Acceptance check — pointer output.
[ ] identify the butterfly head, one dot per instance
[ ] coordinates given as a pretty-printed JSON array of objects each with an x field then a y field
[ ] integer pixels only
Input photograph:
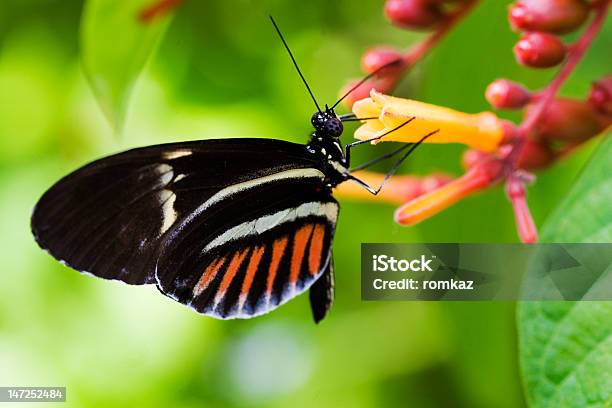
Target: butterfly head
[{"x": 327, "y": 123}]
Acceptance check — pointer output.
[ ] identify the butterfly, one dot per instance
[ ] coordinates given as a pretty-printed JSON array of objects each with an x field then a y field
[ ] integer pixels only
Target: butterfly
[{"x": 232, "y": 228}]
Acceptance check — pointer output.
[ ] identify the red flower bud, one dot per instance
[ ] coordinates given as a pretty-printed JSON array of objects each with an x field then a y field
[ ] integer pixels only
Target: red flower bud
[
  {"x": 539, "y": 50},
  {"x": 504, "y": 94},
  {"x": 600, "y": 97},
  {"x": 376, "y": 58},
  {"x": 535, "y": 155},
  {"x": 556, "y": 16},
  {"x": 415, "y": 14},
  {"x": 568, "y": 120}
]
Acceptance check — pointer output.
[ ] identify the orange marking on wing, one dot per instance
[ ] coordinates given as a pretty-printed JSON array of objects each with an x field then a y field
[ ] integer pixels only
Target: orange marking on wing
[
  {"x": 299, "y": 245},
  {"x": 209, "y": 274},
  {"x": 232, "y": 268},
  {"x": 250, "y": 273},
  {"x": 316, "y": 249},
  {"x": 278, "y": 250}
]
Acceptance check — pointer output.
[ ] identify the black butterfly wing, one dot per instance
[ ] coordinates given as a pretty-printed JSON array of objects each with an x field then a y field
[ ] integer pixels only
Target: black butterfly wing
[
  {"x": 109, "y": 217},
  {"x": 321, "y": 293},
  {"x": 251, "y": 249}
]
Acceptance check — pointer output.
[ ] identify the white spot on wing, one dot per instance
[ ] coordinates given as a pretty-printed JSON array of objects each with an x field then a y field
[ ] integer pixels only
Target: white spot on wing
[
  {"x": 331, "y": 211},
  {"x": 165, "y": 172},
  {"x": 307, "y": 209},
  {"x": 166, "y": 199},
  {"x": 265, "y": 223},
  {"x": 176, "y": 154}
]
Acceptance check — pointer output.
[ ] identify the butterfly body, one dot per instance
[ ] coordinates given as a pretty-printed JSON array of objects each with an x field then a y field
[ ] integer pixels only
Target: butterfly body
[
  {"x": 230, "y": 227},
  {"x": 325, "y": 145}
]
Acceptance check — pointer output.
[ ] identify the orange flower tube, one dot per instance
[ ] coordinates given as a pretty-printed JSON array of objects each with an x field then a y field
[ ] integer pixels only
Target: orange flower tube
[
  {"x": 483, "y": 131},
  {"x": 427, "y": 205}
]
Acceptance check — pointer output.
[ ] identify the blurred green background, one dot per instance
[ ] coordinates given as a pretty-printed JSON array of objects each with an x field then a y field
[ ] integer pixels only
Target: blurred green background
[{"x": 220, "y": 71}]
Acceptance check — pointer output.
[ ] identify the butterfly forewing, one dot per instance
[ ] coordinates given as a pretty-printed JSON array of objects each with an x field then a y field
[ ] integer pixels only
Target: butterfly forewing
[
  {"x": 245, "y": 256},
  {"x": 109, "y": 217}
]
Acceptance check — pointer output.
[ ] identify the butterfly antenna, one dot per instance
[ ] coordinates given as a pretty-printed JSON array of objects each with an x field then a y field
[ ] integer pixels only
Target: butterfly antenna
[
  {"x": 295, "y": 63},
  {"x": 367, "y": 77}
]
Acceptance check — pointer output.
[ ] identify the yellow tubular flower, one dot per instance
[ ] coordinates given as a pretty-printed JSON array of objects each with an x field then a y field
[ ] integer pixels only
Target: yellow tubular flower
[{"x": 482, "y": 131}]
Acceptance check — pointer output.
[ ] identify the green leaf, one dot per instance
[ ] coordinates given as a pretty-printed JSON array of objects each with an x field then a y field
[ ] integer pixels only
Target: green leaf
[
  {"x": 566, "y": 347},
  {"x": 115, "y": 46}
]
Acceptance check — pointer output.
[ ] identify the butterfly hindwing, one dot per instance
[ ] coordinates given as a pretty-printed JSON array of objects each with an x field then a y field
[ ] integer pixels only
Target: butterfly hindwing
[
  {"x": 109, "y": 217},
  {"x": 247, "y": 254},
  {"x": 321, "y": 293}
]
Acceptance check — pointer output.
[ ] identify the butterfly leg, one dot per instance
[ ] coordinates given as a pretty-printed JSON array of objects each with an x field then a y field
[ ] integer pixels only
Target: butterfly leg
[
  {"x": 349, "y": 146},
  {"x": 413, "y": 146},
  {"x": 381, "y": 158}
]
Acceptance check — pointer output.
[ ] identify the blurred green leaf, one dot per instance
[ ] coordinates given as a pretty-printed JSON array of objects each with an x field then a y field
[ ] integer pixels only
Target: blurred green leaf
[
  {"x": 566, "y": 347},
  {"x": 115, "y": 46}
]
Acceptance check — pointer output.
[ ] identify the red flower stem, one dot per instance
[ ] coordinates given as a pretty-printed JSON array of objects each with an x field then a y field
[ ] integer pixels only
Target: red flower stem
[
  {"x": 525, "y": 226},
  {"x": 421, "y": 49},
  {"x": 575, "y": 54}
]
